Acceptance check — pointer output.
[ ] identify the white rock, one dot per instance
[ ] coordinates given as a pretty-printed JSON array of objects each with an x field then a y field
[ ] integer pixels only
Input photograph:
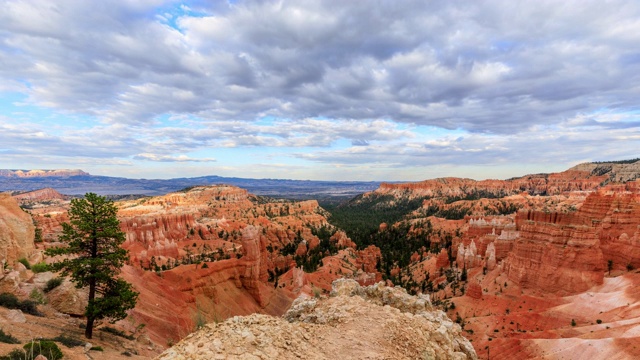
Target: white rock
[{"x": 15, "y": 316}]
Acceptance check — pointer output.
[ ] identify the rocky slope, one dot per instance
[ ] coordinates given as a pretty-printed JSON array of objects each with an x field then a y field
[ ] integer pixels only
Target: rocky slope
[
  {"x": 373, "y": 322},
  {"x": 617, "y": 171}
]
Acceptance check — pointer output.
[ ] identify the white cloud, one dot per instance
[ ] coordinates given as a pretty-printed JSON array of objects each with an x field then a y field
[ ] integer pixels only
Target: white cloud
[
  {"x": 509, "y": 75},
  {"x": 168, "y": 158}
]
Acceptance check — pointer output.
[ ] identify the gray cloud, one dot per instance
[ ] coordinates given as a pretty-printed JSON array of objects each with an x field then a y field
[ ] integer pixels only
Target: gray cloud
[
  {"x": 487, "y": 67},
  {"x": 510, "y": 75}
]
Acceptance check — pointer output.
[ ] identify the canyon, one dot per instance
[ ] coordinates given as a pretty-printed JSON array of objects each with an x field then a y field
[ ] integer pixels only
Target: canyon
[
  {"x": 545, "y": 276},
  {"x": 541, "y": 266},
  {"x": 209, "y": 253}
]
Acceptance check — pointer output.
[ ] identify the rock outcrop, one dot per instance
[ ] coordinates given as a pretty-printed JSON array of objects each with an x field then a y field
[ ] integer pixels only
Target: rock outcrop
[
  {"x": 474, "y": 290},
  {"x": 350, "y": 324},
  {"x": 555, "y": 253},
  {"x": 565, "y": 253},
  {"x": 16, "y": 231},
  {"x": 620, "y": 171},
  {"x": 68, "y": 299}
]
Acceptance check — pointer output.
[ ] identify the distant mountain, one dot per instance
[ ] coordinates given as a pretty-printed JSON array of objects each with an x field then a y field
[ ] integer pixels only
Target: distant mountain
[
  {"x": 76, "y": 182},
  {"x": 41, "y": 173}
]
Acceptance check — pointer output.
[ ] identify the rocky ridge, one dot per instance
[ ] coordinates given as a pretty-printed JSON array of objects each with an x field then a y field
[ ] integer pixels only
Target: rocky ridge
[
  {"x": 374, "y": 322},
  {"x": 46, "y": 194},
  {"x": 582, "y": 177}
]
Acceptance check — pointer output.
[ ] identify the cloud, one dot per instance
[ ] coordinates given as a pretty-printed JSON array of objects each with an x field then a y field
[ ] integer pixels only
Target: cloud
[
  {"x": 314, "y": 76},
  {"x": 485, "y": 67},
  {"x": 167, "y": 158},
  {"x": 572, "y": 141}
]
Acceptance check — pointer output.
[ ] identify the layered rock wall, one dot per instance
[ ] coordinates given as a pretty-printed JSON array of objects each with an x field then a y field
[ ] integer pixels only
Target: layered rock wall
[{"x": 555, "y": 253}]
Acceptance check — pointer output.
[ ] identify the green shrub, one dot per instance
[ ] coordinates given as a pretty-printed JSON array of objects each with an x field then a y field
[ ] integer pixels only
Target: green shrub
[
  {"x": 599, "y": 321},
  {"x": 25, "y": 262},
  {"x": 68, "y": 341},
  {"x": 10, "y": 301},
  {"x": 46, "y": 348},
  {"x": 37, "y": 296},
  {"x": 8, "y": 338},
  {"x": 15, "y": 354},
  {"x": 40, "y": 267},
  {"x": 52, "y": 284},
  {"x": 116, "y": 332},
  {"x": 97, "y": 348},
  {"x": 38, "y": 235},
  {"x": 573, "y": 322},
  {"x": 29, "y": 307}
]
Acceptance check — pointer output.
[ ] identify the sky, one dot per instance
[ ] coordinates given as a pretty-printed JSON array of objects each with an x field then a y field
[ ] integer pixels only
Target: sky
[{"x": 322, "y": 90}]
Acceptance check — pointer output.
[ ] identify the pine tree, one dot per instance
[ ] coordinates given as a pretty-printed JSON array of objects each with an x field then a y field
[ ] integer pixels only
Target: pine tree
[{"x": 93, "y": 238}]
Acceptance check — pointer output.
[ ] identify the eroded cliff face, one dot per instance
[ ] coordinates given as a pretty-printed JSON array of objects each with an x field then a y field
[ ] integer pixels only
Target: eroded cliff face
[
  {"x": 555, "y": 253},
  {"x": 565, "y": 253},
  {"x": 16, "y": 231},
  {"x": 175, "y": 302},
  {"x": 617, "y": 218}
]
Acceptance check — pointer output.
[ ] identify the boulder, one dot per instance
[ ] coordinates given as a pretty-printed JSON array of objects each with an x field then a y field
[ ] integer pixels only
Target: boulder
[
  {"x": 15, "y": 316},
  {"x": 67, "y": 299},
  {"x": 10, "y": 283},
  {"x": 40, "y": 279}
]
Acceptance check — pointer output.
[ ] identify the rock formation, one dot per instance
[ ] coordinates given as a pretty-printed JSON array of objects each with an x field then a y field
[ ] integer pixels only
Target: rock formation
[
  {"x": 16, "y": 231},
  {"x": 443, "y": 259},
  {"x": 567, "y": 253},
  {"x": 351, "y": 324},
  {"x": 474, "y": 290},
  {"x": 490, "y": 257},
  {"x": 555, "y": 253}
]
